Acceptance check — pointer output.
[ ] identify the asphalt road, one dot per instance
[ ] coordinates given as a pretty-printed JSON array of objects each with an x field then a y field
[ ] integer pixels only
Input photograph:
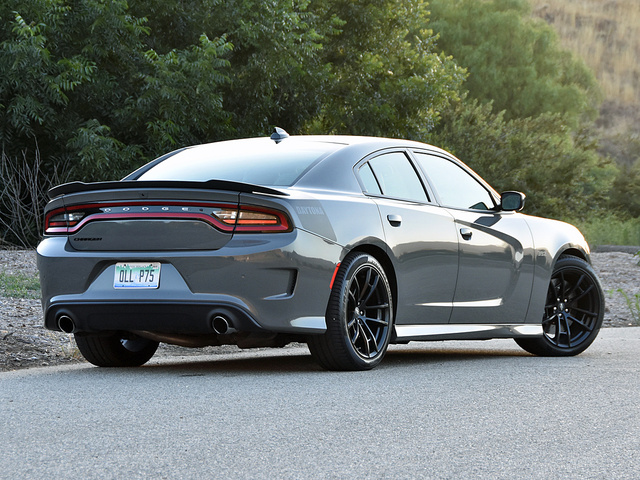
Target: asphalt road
[{"x": 450, "y": 410}]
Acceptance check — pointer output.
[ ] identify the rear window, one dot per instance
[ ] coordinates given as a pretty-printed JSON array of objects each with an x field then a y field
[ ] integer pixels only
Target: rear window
[{"x": 258, "y": 161}]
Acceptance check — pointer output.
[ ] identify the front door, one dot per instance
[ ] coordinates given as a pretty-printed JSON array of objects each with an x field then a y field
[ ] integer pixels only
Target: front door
[
  {"x": 495, "y": 273},
  {"x": 496, "y": 254}
]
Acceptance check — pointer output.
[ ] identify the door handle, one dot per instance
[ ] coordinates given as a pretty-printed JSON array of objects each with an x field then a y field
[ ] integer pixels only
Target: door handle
[
  {"x": 466, "y": 233},
  {"x": 394, "y": 220}
]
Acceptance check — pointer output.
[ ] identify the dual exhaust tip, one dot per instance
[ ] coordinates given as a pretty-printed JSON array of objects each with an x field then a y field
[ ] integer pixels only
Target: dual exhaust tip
[{"x": 219, "y": 323}]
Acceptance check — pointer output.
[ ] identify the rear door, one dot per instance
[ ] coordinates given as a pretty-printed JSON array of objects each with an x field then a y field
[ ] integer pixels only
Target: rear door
[
  {"x": 495, "y": 274},
  {"x": 422, "y": 238}
]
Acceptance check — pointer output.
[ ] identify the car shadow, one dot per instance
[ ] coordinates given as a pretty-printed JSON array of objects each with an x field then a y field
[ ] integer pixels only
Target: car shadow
[
  {"x": 300, "y": 361},
  {"x": 412, "y": 356}
]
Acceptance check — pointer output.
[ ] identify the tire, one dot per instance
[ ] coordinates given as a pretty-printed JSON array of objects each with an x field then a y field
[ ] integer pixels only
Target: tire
[
  {"x": 573, "y": 311},
  {"x": 115, "y": 350},
  {"x": 359, "y": 317}
]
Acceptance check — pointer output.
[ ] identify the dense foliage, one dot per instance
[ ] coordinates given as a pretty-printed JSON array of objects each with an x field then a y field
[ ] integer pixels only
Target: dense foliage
[
  {"x": 79, "y": 80},
  {"x": 106, "y": 85},
  {"x": 559, "y": 170},
  {"x": 91, "y": 89}
]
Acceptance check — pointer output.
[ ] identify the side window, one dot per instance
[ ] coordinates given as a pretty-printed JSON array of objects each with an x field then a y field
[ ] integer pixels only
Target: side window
[
  {"x": 397, "y": 178},
  {"x": 455, "y": 187},
  {"x": 369, "y": 180}
]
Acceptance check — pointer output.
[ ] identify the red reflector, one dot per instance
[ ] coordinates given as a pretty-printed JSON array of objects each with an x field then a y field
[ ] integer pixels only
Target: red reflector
[{"x": 333, "y": 279}]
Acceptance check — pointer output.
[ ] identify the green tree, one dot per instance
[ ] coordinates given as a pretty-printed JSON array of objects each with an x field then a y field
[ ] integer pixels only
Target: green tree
[
  {"x": 276, "y": 66},
  {"x": 514, "y": 61},
  {"x": 384, "y": 77}
]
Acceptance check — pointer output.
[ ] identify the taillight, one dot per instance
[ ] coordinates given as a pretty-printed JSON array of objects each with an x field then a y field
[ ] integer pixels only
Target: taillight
[
  {"x": 227, "y": 218},
  {"x": 66, "y": 219},
  {"x": 61, "y": 220},
  {"x": 254, "y": 219}
]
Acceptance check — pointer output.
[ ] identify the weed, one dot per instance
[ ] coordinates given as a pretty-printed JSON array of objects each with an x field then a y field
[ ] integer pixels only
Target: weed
[
  {"x": 633, "y": 302},
  {"x": 70, "y": 349}
]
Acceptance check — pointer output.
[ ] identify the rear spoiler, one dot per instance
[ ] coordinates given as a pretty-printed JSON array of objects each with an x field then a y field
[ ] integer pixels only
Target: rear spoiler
[{"x": 76, "y": 187}]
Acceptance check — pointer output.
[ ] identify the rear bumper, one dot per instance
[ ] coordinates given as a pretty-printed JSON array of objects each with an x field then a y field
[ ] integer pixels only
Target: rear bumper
[
  {"x": 261, "y": 283},
  {"x": 161, "y": 317}
]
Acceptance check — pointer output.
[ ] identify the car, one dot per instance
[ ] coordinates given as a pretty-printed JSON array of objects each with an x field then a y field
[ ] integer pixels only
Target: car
[{"x": 345, "y": 243}]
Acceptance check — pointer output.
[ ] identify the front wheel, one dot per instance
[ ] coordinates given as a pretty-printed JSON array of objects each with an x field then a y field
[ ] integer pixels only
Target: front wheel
[
  {"x": 115, "y": 349},
  {"x": 573, "y": 312},
  {"x": 359, "y": 317}
]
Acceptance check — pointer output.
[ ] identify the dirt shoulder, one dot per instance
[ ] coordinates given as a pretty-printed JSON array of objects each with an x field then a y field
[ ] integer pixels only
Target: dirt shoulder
[{"x": 24, "y": 342}]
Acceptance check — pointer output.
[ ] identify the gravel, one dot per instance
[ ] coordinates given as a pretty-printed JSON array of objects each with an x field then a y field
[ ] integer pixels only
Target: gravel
[{"x": 24, "y": 342}]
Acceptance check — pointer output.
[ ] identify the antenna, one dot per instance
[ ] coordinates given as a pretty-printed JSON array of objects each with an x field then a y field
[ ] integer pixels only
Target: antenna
[{"x": 279, "y": 134}]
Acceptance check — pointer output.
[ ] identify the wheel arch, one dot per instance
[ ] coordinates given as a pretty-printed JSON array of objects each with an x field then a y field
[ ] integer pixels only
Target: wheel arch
[
  {"x": 358, "y": 332},
  {"x": 572, "y": 252},
  {"x": 577, "y": 291}
]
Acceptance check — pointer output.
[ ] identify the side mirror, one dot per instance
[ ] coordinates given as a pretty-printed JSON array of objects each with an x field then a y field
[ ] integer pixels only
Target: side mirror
[{"x": 512, "y": 201}]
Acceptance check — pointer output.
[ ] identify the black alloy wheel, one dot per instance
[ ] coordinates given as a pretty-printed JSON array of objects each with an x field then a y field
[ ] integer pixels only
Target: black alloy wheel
[
  {"x": 359, "y": 317},
  {"x": 115, "y": 349},
  {"x": 573, "y": 311}
]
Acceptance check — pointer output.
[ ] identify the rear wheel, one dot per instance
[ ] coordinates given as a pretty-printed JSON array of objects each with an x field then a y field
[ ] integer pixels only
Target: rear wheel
[
  {"x": 359, "y": 317},
  {"x": 116, "y": 349},
  {"x": 573, "y": 312}
]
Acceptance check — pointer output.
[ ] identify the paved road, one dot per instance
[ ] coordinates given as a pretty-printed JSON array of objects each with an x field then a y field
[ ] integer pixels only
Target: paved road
[{"x": 450, "y": 410}]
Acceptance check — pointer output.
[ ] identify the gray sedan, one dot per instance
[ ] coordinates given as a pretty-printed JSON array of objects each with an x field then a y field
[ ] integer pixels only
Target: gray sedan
[{"x": 345, "y": 243}]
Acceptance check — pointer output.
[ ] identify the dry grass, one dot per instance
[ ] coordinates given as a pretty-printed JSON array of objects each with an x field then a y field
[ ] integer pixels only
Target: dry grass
[{"x": 606, "y": 34}]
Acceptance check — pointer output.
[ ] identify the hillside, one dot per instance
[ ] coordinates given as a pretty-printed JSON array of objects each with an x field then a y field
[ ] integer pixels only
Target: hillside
[{"x": 606, "y": 34}]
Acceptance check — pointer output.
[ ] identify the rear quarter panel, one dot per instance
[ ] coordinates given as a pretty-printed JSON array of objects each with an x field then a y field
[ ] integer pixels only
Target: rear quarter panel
[{"x": 341, "y": 218}]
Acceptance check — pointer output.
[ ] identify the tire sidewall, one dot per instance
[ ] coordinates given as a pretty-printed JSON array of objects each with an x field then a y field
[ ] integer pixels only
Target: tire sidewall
[
  {"x": 338, "y": 316},
  {"x": 567, "y": 263}
]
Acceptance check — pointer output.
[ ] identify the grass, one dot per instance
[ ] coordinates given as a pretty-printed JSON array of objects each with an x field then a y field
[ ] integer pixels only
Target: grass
[
  {"x": 609, "y": 231},
  {"x": 19, "y": 286}
]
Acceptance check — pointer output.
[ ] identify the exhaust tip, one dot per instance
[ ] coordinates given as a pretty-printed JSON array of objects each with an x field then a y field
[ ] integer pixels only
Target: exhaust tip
[
  {"x": 221, "y": 325},
  {"x": 66, "y": 324}
]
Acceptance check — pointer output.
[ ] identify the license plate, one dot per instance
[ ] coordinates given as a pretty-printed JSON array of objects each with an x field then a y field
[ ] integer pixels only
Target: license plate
[{"x": 137, "y": 275}]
